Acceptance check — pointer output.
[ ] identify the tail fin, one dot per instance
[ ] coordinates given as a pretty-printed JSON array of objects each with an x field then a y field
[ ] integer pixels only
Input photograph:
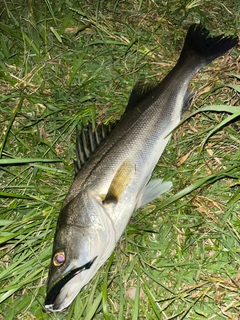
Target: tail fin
[{"x": 199, "y": 42}]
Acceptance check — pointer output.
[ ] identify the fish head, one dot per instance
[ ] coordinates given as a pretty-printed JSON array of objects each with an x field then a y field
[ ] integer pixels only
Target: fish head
[{"x": 79, "y": 250}]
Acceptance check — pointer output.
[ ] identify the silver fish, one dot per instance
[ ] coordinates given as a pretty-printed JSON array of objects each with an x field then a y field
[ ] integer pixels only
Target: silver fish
[{"x": 114, "y": 181}]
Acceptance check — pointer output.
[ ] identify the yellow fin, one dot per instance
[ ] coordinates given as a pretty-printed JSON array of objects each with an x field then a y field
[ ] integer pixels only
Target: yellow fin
[{"x": 120, "y": 182}]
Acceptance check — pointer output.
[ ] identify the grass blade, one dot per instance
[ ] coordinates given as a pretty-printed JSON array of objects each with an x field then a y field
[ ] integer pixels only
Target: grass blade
[{"x": 14, "y": 114}]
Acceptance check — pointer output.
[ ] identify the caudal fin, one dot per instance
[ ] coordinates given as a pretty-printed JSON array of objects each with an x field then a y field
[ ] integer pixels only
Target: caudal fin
[{"x": 199, "y": 43}]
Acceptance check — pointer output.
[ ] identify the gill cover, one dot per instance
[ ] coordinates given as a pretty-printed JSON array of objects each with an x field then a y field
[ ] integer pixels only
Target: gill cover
[{"x": 79, "y": 252}]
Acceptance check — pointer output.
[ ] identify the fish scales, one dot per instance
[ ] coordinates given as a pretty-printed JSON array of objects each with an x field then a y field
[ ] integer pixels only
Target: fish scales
[{"x": 114, "y": 181}]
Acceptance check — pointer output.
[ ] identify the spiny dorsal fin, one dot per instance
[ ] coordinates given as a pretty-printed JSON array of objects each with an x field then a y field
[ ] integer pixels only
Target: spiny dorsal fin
[
  {"x": 139, "y": 92},
  {"x": 120, "y": 182},
  {"x": 87, "y": 142}
]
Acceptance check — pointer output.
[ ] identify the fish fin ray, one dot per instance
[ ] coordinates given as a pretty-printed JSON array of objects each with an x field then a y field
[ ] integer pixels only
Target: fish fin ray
[
  {"x": 120, "y": 182},
  {"x": 139, "y": 92},
  {"x": 188, "y": 98},
  {"x": 88, "y": 140},
  {"x": 151, "y": 191},
  {"x": 200, "y": 43}
]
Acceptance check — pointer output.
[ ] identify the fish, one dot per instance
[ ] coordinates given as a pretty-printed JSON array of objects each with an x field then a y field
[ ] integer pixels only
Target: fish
[{"x": 114, "y": 167}]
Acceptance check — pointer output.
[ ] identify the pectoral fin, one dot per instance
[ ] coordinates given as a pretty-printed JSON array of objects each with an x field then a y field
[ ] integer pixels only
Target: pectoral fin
[
  {"x": 152, "y": 190},
  {"x": 120, "y": 182}
]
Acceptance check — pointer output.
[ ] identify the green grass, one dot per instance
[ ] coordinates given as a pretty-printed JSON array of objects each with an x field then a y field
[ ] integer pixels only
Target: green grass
[{"x": 68, "y": 63}]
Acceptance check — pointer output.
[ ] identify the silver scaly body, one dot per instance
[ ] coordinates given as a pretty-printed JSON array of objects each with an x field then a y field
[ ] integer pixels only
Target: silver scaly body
[{"x": 114, "y": 182}]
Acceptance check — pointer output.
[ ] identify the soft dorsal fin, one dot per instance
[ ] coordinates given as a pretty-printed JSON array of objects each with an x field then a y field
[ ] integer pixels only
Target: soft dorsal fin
[
  {"x": 139, "y": 92},
  {"x": 87, "y": 142}
]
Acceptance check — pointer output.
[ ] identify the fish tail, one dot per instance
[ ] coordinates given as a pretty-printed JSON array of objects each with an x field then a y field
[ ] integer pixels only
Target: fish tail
[{"x": 198, "y": 43}]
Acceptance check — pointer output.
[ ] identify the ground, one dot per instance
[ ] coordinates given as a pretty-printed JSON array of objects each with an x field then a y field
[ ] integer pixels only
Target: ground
[{"x": 65, "y": 63}]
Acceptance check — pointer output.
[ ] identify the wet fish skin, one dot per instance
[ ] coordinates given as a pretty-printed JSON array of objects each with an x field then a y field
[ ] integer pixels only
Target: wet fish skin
[{"x": 113, "y": 183}]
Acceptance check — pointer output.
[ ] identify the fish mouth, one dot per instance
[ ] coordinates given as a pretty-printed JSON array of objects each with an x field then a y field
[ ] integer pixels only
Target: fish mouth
[{"x": 57, "y": 287}]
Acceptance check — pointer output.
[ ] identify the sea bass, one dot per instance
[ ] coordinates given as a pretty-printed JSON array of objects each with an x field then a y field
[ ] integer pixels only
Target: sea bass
[{"x": 114, "y": 181}]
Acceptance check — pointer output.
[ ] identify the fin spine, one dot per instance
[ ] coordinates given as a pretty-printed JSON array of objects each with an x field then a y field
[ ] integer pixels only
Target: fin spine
[{"x": 88, "y": 140}]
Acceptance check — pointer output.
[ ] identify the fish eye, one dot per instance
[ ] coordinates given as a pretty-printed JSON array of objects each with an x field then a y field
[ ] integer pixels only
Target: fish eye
[{"x": 59, "y": 258}]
